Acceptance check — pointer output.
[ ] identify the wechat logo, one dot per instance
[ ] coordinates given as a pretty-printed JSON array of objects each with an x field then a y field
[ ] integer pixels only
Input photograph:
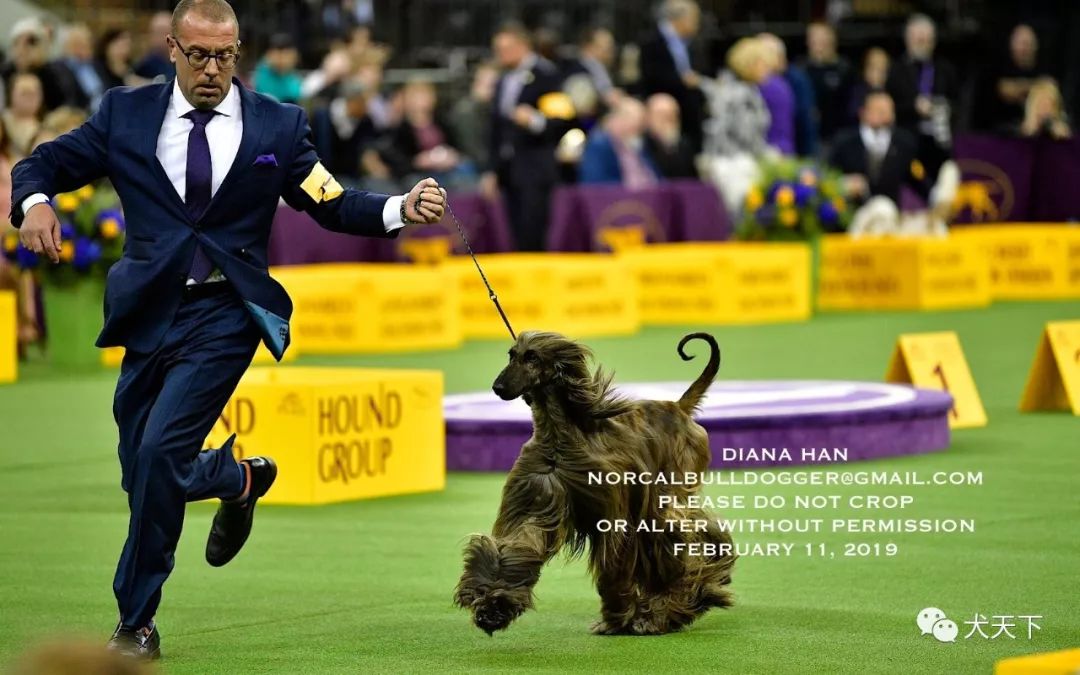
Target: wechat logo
[{"x": 932, "y": 621}]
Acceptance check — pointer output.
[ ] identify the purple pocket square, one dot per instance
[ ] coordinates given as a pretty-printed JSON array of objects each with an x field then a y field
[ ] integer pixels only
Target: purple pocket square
[{"x": 266, "y": 160}]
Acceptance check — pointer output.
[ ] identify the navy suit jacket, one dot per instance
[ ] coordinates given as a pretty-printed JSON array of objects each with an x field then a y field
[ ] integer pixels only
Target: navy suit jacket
[{"x": 145, "y": 288}]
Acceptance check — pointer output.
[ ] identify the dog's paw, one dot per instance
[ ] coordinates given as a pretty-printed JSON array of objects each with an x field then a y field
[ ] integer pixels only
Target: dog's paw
[{"x": 604, "y": 628}]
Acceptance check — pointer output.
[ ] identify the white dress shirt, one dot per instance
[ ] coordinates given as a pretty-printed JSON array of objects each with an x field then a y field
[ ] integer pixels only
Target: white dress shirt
[{"x": 223, "y": 133}]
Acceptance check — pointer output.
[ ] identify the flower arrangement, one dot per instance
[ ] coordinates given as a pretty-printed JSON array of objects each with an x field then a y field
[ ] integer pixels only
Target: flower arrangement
[
  {"x": 794, "y": 200},
  {"x": 91, "y": 234}
]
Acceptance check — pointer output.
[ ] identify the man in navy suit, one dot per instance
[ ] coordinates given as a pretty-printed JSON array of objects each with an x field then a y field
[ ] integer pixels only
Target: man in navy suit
[{"x": 199, "y": 164}]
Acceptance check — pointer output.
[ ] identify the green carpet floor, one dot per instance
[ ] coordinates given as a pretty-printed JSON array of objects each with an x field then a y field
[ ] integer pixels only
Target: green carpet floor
[{"x": 366, "y": 587}]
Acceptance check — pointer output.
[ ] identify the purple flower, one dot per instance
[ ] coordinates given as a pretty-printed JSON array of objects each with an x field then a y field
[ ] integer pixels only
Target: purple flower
[
  {"x": 827, "y": 213},
  {"x": 26, "y": 258},
  {"x": 803, "y": 194},
  {"x": 765, "y": 215},
  {"x": 87, "y": 253},
  {"x": 67, "y": 231}
]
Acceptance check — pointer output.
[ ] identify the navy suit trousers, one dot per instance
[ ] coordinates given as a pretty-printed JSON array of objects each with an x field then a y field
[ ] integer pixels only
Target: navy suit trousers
[{"x": 165, "y": 405}]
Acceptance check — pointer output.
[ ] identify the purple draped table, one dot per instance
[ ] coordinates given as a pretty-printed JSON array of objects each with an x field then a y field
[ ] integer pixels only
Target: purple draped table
[
  {"x": 296, "y": 239},
  {"x": 1017, "y": 179},
  {"x": 601, "y": 217}
]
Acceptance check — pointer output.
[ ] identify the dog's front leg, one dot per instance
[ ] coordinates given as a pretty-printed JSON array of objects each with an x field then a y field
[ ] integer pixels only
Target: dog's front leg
[
  {"x": 501, "y": 570},
  {"x": 500, "y": 573}
]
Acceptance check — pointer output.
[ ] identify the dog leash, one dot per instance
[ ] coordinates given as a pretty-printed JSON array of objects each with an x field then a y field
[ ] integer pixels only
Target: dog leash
[{"x": 491, "y": 291}]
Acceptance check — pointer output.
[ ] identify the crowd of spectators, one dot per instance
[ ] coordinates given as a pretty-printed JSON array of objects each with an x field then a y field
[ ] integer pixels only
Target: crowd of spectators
[{"x": 538, "y": 113}]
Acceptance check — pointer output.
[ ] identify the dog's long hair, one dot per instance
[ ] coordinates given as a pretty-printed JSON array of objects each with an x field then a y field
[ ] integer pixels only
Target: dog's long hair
[{"x": 582, "y": 426}]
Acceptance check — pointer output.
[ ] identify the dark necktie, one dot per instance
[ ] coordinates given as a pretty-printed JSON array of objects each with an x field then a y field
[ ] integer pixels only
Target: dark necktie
[{"x": 198, "y": 184}]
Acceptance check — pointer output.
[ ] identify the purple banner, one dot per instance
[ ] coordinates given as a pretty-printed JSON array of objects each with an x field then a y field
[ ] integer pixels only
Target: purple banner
[{"x": 602, "y": 217}]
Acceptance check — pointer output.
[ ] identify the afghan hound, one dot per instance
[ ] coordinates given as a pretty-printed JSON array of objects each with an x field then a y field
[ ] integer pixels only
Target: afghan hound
[{"x": 580, "y": 426}]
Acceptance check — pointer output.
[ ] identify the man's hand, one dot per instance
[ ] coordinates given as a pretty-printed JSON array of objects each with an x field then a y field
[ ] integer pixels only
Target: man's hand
[
  {"x": 856, "y": 185},
  {"x": 524, "y": 115},
  {"x": 425, "y": 202},
  {"x": 40, "y": 231}
]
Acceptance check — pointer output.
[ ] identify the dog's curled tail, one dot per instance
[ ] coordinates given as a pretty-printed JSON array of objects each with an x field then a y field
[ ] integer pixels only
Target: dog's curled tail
[{"x": 690, "y": 400}]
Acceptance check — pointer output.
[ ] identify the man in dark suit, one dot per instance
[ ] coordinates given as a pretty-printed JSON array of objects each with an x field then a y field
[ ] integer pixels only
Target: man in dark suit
[
  {"x": 667, "y": 66},
  {"x": 199, "y": 163},
  {"x": 925, "y": 90},
  {"x": 878, "y": 158},
  {"x": 596, "y": 56},
  {"x": 529, "y": 116}
]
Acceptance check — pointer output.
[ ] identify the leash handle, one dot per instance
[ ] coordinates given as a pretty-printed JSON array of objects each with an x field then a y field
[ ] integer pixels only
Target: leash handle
[{"x": 491, "y": 291}]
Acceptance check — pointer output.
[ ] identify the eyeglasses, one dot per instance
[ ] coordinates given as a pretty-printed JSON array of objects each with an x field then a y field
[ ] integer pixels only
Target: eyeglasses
[{"x": 198, "y": 59}]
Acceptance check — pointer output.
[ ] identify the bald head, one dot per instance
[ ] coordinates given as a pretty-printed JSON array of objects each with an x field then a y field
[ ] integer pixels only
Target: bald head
[
  {"x": 662, "y": 117},
  {"x": 213, "y": 11},
  {"x": 78, "y": 42}
]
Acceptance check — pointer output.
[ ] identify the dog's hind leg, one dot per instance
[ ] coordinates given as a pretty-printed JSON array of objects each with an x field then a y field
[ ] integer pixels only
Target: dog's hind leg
[{"x": 618, "y": 600}]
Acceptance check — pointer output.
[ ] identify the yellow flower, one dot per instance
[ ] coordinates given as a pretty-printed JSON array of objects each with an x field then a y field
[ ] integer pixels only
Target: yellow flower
[
  {"x": 918, "y": 171},
  {"x": 785, "y": 196},
  {"x": 11, "y": 242},
  {"x": 789, "y": 217},
  {"x": 85, "y": 192},
  {"x": 839, "y": 204},
  {"x": 69, "y": 201},
  {"x": 67, "y": 251},
  {"x": 110, "y": 228},
  {"x": 754, "y": 199}
]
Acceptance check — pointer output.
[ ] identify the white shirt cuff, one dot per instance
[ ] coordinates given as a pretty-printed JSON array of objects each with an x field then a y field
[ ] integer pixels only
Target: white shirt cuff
[
  {"x": 391, "y": 213},
  {"x": 33, "y": 200}
]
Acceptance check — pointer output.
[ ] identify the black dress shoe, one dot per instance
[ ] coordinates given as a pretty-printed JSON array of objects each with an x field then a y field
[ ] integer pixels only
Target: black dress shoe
[
  {"x": 232, "y": 522},
  {"x": 138, "y": 643}
]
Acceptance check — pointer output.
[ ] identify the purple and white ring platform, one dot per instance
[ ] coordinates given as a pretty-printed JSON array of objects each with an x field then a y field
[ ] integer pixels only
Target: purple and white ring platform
[{"x": 870, "y": 419}]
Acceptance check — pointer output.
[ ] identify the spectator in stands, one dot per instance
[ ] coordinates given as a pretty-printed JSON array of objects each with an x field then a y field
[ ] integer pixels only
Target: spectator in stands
[
  {"x": 1011, "y": 80},
  {"x": 739, "y": 119},
  {"x": 422, "y": 144},
  {"x": 925, "y": 90},
  {"x": 878, "y": 158},
  {"x": 667, "y": 67},
  {"x": 382, "y": 113},
  {"x": 114, "y": 59},
  {"x": 276, "y": 74},
  {"x": 874, "y": 75},
  {"x": 615, "y": 152},
  {"x": 530, "y": 116},
  {"x": 596, "y": 56},
  {"x": 832, "y": 78},
  {"x": 29, "y": 53},
  {"x": 471, "y": 114},
  {"x": 25, "y": 109},
  {"x": 343, "y": 131},
  {"x": 155, "y": 62},
  {"x": 78, "y": 59},
  {"x": 1044, "y": 114},
  {"x": 802, "y": 118},
  {"x": 665, "y": 144}
]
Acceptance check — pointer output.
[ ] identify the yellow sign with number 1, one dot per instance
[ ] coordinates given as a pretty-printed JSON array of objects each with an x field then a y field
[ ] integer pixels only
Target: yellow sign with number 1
[
  {"x": 936, "y": 361},
  {"x": 1054, "y": 381}
]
